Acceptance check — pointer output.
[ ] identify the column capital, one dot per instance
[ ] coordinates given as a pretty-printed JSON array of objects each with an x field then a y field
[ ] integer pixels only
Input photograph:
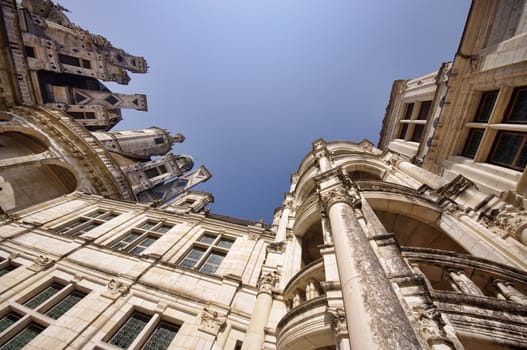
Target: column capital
[{"x": 340, "y": 189}]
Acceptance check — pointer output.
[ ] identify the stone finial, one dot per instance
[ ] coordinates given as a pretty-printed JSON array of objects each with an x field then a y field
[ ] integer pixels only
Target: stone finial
[
  {"x": 268, "y": 282},
  {"x": 211, "y": 321},
  {"x": 338, "y": 320}
]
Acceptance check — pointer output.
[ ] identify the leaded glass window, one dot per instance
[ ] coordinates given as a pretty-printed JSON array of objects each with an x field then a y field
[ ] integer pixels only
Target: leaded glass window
[
  {"x": 207, "y": 253},
  {"x": 141, "y": 237},
  {"x": 8, "y": 320},
  {"x": 510, "y": 150},
  {"x": 43, "y": 295},
  {"x": 518, "y": 107},
  {"x": 486, "y": 105},
  {"x": 65, "y": 304},
  {"x": 129, "y": 330},
  {"x": 87, "y": 222},
  {"x": 472, "y": 143},
  {"x": 7, "y": 268},
  {"x": 22, "y": 338},
  {"x": 161, "y": 337}
]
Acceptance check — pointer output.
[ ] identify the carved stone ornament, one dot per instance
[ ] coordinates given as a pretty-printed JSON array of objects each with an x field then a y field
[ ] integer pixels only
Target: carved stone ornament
[
  {"x": 268, "y": 282},
  {"x": 211, "y": 321},
  {"x": 338, "y": 320},
  {"x": 253, "y": 236},
  {"x": 116, "y": 287},
  {"x": 337, "y": 195},
  {"x": 276, "y": 247},
  {"x": 455, "y": 187},
  {"x": 41, "y": 263},
  {"x": 430, "y": 321},
  {"x": 508, "y": 221}
]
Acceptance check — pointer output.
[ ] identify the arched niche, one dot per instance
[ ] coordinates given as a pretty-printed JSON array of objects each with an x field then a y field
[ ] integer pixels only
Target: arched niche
[
  {"x": 311, "y": 242},
  {"x": 17, "y": 143},
  {"x": 28, "y": 185}
]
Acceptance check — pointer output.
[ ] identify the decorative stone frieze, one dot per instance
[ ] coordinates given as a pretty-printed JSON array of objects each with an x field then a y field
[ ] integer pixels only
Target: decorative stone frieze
[
  {"x": 40, "y": 263},
  {"x": 507, "y": 221},
  {"x": 455, "y": 187},
  {"x": 211, "y": 321}
]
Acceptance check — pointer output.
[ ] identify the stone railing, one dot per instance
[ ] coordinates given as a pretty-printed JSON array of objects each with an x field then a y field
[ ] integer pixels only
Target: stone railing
[
  {"x": 305, "y": 285},
  {"x": 482, "y": 299}
]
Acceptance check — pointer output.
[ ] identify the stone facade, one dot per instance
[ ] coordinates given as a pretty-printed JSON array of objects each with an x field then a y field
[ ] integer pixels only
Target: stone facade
[{"x": 392, "y": 247}]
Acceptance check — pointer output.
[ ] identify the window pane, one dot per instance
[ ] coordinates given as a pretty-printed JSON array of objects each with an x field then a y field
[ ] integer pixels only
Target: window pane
[
  {"x": 522, "y": 157},
  {"x": 150, "y": 173},
  {"x": 43, "y": 296},
  {"x": 472, "y": 144},
  {"x": 7, "y": 269},
  {"x": 148, "y": 225},
  {"x": 111, "y": 216},
  {"x": 485, "y": 106},
  {"x": 147, "y": 242},
  {"x": 129, "y": 330},
  {"x": 95, "y": 214},
  {"x": 425, "y": 110},
  {"x": 131, "y": 237},
  {"x": 161, "y": 337},
  {"x": 518, "y": 109},
  {"x": 225, "y": 243},
  {"x": 212, "y": 263},
  {"x": 8, "y": 320},
  {"x": 137, "y": 250},
  {"x": 86, "y": 228},
  {"x": 163, "y": 228},
  {"x": 506, "y": 147},
  {"x": 70, "y": 60},
  {"x": 408, "y": 112},
  {"x": 418, "y": 132},
  {"x": 208, "y": 239},
  {"x": 404, "y": 128},
  {"x": 65, "y": 304},
  {"x": 24, "y": 337},
  {"x": 192, "y": 257}
]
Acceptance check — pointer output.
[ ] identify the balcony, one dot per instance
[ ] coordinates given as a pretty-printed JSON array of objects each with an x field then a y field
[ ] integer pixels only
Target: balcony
[{"x": 307, "y": 324}]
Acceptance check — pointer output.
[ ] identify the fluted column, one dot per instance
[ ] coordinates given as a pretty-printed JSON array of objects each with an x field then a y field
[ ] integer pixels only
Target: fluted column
[
  {"x": 374, "y": 315},
  {"x": 254, "y": 337}
]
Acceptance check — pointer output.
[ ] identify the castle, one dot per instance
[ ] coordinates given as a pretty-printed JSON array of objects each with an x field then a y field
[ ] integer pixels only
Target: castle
[{"x": 418, "y": 243}]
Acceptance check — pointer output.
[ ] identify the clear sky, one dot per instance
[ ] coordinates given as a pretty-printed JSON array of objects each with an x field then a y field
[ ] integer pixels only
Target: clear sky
[{"x": 251, "y": 83}]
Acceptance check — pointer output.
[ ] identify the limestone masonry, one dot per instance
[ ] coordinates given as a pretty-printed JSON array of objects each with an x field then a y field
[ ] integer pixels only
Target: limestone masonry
[{"x": 418, "y": 243}]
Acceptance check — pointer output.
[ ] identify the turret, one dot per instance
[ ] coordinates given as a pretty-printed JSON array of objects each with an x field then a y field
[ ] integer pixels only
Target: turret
[{"x": 139, "y": 144}]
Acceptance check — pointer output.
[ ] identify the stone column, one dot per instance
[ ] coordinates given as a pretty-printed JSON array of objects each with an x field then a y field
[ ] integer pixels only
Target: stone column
[
  {"x": 281, "y": 233},
  {"x": 373, "y": 313},
  {"x": 254, "y": 337}
]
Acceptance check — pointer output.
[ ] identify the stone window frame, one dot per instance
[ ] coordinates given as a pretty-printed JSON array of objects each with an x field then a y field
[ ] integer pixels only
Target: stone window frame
[
  {"x": 412, "y": 119},
  {"x": 7, "y": 266},
  {"x": 490, "y": 131},
  {"x": 149, "y": 229},
  {"x": 156, "y": 319},
  {"x": 87, "y": 222},
  {"x": 208, "y": 248},
  {"x": 38, "y": 316}
]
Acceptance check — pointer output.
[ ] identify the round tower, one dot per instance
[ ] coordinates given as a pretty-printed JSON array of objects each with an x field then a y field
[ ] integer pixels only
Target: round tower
[{"x": 139, "y": 144}]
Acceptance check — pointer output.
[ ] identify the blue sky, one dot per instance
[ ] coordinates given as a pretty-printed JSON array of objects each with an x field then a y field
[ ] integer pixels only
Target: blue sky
[{"x": 251, "y": 83}]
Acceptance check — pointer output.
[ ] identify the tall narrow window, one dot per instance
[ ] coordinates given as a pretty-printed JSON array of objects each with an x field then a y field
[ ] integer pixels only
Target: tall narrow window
[
  {"x": 517, "y": 110},
  {"x": 472, "y": 143},
  {"x": 486, "y": 105},
  {"x": 22, "y": 338},
  {"x": 207, "y": 253}
]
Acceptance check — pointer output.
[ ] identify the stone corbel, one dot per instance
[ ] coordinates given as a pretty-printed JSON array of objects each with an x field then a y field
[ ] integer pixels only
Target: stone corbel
[
  {"x": 41, "y": 263},
  {"x": 211, "y": 321},
  {"x": 338, "y": 321}
]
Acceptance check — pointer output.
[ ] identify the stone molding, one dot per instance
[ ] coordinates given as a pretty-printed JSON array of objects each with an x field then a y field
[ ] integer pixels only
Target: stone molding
[
  {"x": 338, "y": 321},
  {"x": 268, "y": 282},
  {"x": 41, "y": 263}
]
